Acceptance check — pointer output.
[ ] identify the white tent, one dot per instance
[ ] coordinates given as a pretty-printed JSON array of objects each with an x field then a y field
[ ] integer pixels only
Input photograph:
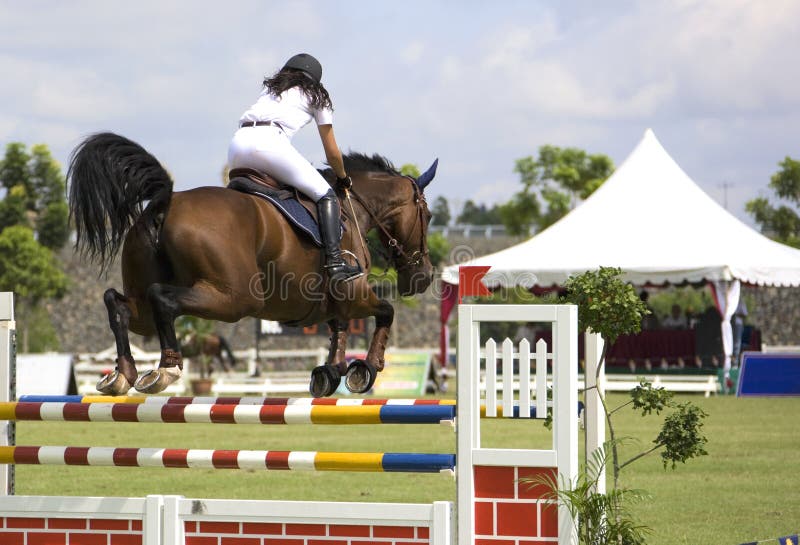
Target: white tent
[{"x": 651, "y": 220}]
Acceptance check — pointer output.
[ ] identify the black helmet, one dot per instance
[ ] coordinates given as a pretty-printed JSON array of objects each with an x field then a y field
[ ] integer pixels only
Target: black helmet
[{"x": 306, "y": 63}]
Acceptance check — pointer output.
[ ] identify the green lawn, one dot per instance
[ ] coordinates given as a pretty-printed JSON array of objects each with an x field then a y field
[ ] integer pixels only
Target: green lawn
[{"x": 746, "y": 489}]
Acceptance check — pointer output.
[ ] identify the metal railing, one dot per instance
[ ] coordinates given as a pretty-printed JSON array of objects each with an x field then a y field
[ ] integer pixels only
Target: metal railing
[{"x": 470, "y": 231}]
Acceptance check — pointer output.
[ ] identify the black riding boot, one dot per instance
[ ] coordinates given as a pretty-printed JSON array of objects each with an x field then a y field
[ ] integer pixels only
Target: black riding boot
[{"x": 338, "y": 269}]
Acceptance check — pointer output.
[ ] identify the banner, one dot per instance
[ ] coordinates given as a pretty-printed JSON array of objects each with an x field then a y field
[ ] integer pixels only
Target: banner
[{"x": 405, "y": 375}]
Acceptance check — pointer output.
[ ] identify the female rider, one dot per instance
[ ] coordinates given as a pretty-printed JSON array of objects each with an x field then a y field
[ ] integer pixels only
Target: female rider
[{"x": 289, "y": 100}]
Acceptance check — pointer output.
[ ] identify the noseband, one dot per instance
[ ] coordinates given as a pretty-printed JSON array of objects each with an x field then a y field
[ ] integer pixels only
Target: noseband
[{"x": 398, "y": 249}]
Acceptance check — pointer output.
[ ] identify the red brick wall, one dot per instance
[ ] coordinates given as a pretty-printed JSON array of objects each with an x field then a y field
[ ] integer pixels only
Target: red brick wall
[
  {"x": 511, "y": 512},
  {"x": 77, "y": 531},
  {"x": 246, "y": 533},
  {"x": 69, "y": 531}
]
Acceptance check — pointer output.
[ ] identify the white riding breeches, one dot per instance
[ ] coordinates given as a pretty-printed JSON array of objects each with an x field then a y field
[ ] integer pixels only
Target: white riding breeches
[{"x": 268, "y": 149}]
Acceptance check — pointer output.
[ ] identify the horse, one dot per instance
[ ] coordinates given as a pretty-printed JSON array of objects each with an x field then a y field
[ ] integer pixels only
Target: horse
[
  {"x": 210, "y": 344},
  {"x": 223, "y": 255}
]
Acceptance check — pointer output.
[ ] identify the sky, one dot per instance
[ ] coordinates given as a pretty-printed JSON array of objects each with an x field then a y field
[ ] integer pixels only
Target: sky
[{"x": 476, "y": 84}]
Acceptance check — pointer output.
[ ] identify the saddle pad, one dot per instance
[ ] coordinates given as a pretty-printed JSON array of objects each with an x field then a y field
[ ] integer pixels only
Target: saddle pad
[{"x": 289, "y": 206}]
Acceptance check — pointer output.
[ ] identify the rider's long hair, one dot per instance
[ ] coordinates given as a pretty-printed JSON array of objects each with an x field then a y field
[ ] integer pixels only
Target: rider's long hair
[{"x": 287, "y": 78}]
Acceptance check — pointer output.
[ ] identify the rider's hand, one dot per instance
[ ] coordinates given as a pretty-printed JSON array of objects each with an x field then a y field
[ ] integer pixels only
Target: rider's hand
[{"x": 344, "y": 183}]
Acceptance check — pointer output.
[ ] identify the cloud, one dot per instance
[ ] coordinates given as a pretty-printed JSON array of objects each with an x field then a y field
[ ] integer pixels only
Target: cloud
[
  {"x": 656, "y": 59},
  {"x": 477, "y": 86},
  {"x": 412, "y": 53},
  {"x": 496, "y": 192},
  {"x": 722, "y": 56}
]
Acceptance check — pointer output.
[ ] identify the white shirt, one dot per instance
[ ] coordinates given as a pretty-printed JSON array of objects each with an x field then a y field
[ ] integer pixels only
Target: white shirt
[{"x": 291, "y": 111}]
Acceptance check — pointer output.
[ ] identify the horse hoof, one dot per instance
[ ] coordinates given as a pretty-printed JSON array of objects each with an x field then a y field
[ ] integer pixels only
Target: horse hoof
[
  {"x": 114, "y": 384},
  {"x": 325, "y": 380},
  {"x": 157, "y": 380},
  {"x": 360, "y": 376}
]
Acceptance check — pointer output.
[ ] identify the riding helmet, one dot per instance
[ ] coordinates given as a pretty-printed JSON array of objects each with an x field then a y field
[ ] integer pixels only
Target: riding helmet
[{"x": 306, "y": 63}]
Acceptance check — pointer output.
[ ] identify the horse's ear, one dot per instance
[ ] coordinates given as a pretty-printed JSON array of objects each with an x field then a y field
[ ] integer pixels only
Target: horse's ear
[{"x": 426, "y": 177}]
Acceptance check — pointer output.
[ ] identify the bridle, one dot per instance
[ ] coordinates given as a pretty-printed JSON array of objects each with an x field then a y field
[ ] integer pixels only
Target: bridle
[{"x": 397, "y": 248}]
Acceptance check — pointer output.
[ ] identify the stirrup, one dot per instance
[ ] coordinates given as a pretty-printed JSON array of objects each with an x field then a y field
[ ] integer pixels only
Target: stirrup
[{"x": 340, "y": 270}]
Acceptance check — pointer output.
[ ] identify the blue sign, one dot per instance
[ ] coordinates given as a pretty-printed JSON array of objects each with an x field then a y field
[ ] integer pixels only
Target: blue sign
[{"x": 769, "y": 375}]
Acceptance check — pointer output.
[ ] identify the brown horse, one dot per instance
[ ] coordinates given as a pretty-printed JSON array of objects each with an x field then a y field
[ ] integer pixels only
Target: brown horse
[
  {"x": 223, "y": 255},
  {"x": 212, "y": 345}
]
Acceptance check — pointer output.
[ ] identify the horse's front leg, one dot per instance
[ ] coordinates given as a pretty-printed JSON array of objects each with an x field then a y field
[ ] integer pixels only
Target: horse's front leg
[
  {"x": 361, "y": 374},
  {"x": 325, "y": 379},
  {"x": 384, "y": 317}
]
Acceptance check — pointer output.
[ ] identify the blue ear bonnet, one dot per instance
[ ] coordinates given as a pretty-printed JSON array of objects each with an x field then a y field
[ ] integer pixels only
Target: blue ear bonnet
[{"x": 426, "y": 177}]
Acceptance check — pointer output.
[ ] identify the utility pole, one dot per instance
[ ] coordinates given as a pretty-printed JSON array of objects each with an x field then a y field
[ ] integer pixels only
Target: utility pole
[{"x": 725, "y": 185}]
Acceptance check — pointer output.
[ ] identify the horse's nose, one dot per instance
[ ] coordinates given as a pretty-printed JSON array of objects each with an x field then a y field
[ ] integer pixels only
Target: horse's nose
[{"x": 419, "y": 283}]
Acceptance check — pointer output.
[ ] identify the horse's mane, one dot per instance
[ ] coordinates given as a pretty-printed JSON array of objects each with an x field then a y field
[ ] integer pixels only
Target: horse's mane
[{"x": 361, "y": 162}]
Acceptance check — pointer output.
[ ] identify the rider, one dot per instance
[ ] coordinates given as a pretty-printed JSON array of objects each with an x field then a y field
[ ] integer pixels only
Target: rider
[{"x": 289, "y": 100}]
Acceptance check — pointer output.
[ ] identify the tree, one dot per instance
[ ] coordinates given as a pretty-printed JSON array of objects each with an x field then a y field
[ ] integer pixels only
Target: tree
[
  {"x": 36, "y": 194},
  {"x": 438, "y": 248},
  {"x": 781, "y": 222},
  {"x": 13, "y": 209},
  {"x": 192, "y": 332},
  {"x": 14, "y": 170},
  {"x": 29, "y": 270},
  {"x": 410, "y": 169},
  {"x": 34, "y": 219},
  {"x": 52, "y": 225},
  {"x": 440, "y": 212},
  {"x": 479, "y": 214},
  {"x": 46, "y": 180},
  {"x": 519, "y": 213},
  {"x": 611, "y": 307},
  {"x": 552, "y": 184}
]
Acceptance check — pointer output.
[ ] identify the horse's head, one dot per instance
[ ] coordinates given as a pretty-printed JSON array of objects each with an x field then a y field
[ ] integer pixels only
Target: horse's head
[
  {"x": 400, "y": 212},
  {"x": 410, "y": 252}
]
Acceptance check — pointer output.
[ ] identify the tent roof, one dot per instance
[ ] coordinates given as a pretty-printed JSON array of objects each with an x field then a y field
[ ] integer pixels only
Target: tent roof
[{"x": 650, "y": 219}]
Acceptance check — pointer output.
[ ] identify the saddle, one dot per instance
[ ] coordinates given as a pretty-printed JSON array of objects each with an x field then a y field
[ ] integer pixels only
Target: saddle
[{"x": 298, "y": 208}]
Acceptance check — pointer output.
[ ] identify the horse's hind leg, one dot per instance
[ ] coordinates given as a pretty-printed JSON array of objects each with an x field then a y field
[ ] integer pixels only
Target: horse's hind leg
[
  {"x": 168, "y": 302},
  {"x": 164, "y": 300},
  {"x": 119, "y": 314},
  {"x": 325, "y": 378},
  {"x": 226, "y": 348}
]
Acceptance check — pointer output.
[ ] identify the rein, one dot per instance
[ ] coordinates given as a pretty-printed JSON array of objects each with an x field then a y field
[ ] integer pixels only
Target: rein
[{"x": 398, "y": 249}]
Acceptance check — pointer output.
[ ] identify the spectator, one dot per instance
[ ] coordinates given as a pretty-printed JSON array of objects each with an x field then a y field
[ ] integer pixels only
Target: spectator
[
  {"x": 708, "y": 337},
  {"x": 676, "y": 319},
  {"x": 649, "y": 321},
  {"x": 737, "y": 322},
  {"x": 528, "y": 331},
  {"x": 691, "y": 317}
]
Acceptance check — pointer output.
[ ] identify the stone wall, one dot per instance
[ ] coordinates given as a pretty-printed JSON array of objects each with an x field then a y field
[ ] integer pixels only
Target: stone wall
[
  {"x": 776, "y": 312},
  {"x": 81, "y": 321}
]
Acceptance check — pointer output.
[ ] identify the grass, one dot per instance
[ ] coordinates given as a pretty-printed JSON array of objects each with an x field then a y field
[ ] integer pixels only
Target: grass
[{"x": 744, "y": 490}]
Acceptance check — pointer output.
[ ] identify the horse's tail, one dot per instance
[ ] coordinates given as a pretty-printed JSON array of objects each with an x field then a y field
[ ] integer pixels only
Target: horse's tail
[
  {"x": 223, "y": 344},
  {"x": 111, "y": 179}
]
